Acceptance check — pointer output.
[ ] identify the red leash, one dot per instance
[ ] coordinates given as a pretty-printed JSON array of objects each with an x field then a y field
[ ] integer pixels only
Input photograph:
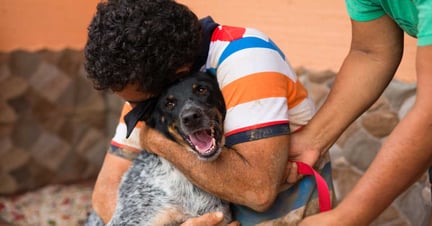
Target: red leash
[{"x": 323, "y": 191}]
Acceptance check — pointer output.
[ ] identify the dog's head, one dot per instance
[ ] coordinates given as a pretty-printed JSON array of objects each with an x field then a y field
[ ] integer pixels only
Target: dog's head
[{"x": 191, "y": 113}]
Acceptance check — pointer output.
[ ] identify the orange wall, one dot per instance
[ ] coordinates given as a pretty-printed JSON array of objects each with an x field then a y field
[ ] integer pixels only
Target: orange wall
[
  {"x": 311, "y": 33},
  {"x": 36, "y": 24}
]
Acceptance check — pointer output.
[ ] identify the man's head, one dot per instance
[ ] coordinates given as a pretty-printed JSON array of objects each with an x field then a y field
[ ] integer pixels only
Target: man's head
[{"x": 142, "y": 43}]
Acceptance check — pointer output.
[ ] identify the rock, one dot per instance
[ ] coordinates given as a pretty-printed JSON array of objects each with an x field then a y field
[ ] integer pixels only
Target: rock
[
  {"x": 360, "y": 149},
  {"x": 352, "y": 129},
  {"x": 301, "y": 71},
  {"x": 70, "y": 62},
  {"x": 13, "y": 159},
  {"x": 380, "y": 123},
  {"x": 4, "y": 71},
  {"x": 413, "y": 205},
  {"x": 5, "y": 144},
  {"x": 318, "y": 93},
  {"x": 49, "y": 82},
  {"x": 336, "y": 156},
  {"x": 50, "y": 151},
  {"x": 26, "y": 133},
  {"x": 321, "y": 76},
  {"x": 382, "y": 104},
  {"x": 390, "y": 217},
  {"x": 47, "y": 108},
  {"x": 71, "y": 169},
  {"x": 398, "y": 91},
  {"x": 8, "y": 115},
  {"x": 8, "y": 184},
  {"x": 23, "y": 63},
  {"x": 92, "y": 145},
  {"x": 49, "y": 56},
  {"x": 406, "y": 106},
  {"x": 12, "y": 87},
  {"x": 347, "y": 177}
]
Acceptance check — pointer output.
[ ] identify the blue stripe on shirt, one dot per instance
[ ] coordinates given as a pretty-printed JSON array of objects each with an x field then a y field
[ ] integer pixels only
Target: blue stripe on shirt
[{"x": 248, "y": 42}]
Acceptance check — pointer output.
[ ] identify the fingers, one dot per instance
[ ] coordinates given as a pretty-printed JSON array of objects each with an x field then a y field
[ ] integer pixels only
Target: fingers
[
  {"x": 292, "y": 173},
  {"x": 209, "y": 219}
]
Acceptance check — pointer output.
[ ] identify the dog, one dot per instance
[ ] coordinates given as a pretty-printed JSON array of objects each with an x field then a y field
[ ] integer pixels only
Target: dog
[{"x": 153, "y": 192}]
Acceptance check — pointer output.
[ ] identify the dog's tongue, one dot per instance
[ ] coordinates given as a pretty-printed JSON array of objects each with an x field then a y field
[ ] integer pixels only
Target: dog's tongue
[{"x": 202, "y": 141}]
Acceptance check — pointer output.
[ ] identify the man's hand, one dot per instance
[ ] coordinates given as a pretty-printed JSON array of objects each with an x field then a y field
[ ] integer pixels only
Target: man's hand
[
  {"x": 209, "y": 219},
  {"x": 300, "y": 150}
]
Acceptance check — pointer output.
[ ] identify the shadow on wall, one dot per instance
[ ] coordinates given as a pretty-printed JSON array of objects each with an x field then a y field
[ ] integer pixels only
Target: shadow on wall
[{"x": 54, "y": 127}]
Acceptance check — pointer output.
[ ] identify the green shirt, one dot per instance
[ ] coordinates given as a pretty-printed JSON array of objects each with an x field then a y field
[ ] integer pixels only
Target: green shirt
[{"x": 413, "y": 16}]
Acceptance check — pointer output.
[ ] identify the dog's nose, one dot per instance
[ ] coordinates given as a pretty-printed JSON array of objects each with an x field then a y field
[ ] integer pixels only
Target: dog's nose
[{"x": 190, "y": 118}]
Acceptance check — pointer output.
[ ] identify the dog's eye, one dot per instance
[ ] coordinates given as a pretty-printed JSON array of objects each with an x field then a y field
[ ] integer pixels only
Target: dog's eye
[
  {"x": 170, "y": 104},
  {"x": 201, "y": 90}
]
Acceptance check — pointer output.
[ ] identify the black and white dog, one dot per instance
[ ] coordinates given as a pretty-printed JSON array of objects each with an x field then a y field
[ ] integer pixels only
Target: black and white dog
[{"x": 153, "y": 192}]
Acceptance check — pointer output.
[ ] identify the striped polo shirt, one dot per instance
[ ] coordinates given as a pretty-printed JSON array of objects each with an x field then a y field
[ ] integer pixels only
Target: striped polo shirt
[{"x": 262, "y": 94}]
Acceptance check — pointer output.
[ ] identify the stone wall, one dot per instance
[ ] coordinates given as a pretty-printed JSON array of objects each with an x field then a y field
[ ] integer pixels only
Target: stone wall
[{"x": 55, "y": 128}]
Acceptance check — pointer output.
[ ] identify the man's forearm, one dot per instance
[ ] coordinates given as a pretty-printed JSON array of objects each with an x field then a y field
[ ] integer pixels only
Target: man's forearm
[
  {"x": 104, "y": 198},
  {"x": 364, "y": 74},
  {"x": 251, "y": 180},
  {"x": 404, "y": 157},
  {"x": 355, "y": 89}
]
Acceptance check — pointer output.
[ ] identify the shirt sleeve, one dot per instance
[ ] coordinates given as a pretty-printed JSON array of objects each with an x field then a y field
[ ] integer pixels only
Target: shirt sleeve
[
  {"x": 424, "y": 35},
  {"x": 363, "y": 10},
  {"x": 119, "y": 140}
]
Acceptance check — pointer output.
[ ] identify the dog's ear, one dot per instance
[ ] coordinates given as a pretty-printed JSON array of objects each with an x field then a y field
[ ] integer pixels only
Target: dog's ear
[
  {"x": 141, "y": 112},
  {"x": 216, "y": 93}
]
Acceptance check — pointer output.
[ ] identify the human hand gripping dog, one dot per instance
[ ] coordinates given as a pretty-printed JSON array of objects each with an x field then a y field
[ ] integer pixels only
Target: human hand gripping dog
[{"x": 295, "y": 172}]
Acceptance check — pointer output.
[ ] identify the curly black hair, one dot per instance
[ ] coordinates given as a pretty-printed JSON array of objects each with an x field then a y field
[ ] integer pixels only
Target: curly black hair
[{"x": 140, "y": 42}]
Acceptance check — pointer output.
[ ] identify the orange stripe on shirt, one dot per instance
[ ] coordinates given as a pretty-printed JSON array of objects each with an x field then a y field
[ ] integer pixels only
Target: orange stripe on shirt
[
  {"x": 298, "y": 96},
  {"x": 259, "y": 86}
]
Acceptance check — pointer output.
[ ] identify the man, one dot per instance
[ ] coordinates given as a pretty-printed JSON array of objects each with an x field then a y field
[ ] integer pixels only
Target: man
[
  {"x": 137, "y": 47},
  {"x": 376, "y": 51}
]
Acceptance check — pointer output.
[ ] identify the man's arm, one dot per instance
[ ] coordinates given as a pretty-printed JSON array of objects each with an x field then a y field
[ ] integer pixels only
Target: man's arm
[
  {"x": 401, "y": 161},
  {"x": 375, "y": 53},
  {"x": 405, "y": 155},
  {"x": 249, "y": 174},
  {"x": 104, "y": 197},
  {"x": 403, "y": 158}
]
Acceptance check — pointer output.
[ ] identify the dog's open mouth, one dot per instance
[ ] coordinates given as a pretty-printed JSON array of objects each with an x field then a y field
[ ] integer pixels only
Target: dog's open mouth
[{"x": 203, "y": 142}]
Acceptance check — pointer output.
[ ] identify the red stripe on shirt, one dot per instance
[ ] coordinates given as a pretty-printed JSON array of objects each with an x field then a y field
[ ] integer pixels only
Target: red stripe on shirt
[
  {"x": 227, "y": 33},
  {"x": 124, "y": 146}
]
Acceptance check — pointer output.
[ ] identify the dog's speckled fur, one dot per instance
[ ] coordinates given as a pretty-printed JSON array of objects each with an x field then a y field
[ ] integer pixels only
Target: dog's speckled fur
[{"x": 153, "y": 192}]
